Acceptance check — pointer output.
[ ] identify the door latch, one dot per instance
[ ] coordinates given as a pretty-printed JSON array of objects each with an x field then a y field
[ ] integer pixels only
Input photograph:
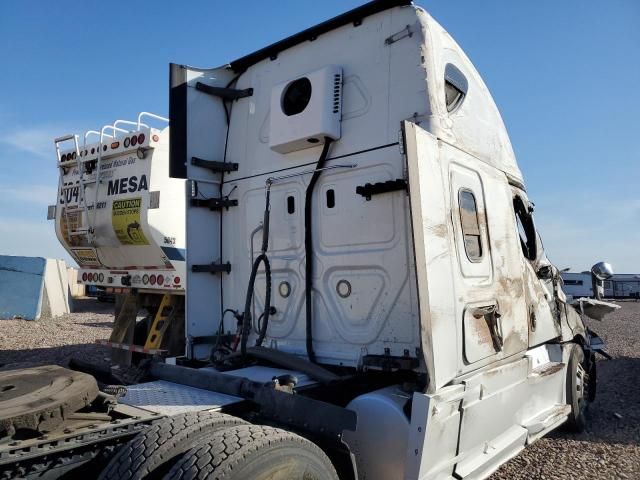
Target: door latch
[{"x": 492, "y": 317}]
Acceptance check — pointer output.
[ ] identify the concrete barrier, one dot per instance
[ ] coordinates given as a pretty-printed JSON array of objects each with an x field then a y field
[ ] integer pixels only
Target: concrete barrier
[
  {"x": 31, "y": 287},
  {"x": 76, "y": 289}
]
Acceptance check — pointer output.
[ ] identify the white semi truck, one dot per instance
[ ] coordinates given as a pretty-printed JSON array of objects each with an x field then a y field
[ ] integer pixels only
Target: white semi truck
[{"x": 368, "y": 297}]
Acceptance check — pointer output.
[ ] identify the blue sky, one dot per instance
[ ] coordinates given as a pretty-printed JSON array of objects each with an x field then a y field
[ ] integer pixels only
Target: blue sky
[{"x": 565, "y": 75}]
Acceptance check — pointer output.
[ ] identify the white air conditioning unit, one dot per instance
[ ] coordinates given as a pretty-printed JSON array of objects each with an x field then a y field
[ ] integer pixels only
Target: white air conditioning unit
[{"x": 305, "y": 110}]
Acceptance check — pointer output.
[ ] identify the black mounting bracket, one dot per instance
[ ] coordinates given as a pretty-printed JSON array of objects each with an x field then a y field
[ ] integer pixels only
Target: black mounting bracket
[
  {"x": 214, "y": 166},
  {"x": 214, "y": 203},
  {"x": 369, "y": 189},
  {"x": 224, "y": 93},
  {"x": 212, "y": 268},
  {"x": 389, "y": 363}
]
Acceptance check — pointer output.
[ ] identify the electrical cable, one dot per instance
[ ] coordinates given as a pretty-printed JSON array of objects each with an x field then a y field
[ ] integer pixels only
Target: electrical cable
[
  {"x": 308, "y": 247},
  {"x": 227, "y": 112}
]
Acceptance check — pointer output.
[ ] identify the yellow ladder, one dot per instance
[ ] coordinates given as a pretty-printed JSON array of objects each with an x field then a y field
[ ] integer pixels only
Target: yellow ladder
[{"x": 166, "y": 313}]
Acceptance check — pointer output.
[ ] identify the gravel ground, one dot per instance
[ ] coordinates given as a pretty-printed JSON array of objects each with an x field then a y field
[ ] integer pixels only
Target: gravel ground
[
  {"x": 56, "y": 340},
  {"x": 609, "y": 449}
]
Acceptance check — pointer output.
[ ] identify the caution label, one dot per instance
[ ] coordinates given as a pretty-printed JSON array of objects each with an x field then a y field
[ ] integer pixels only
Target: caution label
[
  {"x": 125, "y": 218},
  {"x": 86, "y": 257}
]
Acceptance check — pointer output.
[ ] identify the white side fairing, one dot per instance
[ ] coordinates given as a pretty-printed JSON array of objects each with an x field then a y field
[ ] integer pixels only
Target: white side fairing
[{"x": 206, "y": 130}]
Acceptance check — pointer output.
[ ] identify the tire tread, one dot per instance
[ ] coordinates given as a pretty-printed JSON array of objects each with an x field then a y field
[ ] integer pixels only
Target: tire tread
[{"x": 159, "y": 443}]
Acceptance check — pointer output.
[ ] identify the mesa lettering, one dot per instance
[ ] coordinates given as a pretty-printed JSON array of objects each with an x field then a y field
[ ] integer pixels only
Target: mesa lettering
[{"x": 127, "y": 185}]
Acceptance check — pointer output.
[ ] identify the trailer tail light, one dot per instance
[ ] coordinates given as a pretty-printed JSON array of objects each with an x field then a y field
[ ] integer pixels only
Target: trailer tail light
[
  {"x": 84, "y": 276},
  {"x": 115, "y": 145},
  {"x": 126, "y": 142},
  {"x": 101, "y": 277},
  {"x": 93, "y": 150},
  {"x": 141, "y": 138},
  {"x": 145, "y": 279},
  {"x": 155, "y": 138},
  {"x": 176, "y": 280},
  {"x": 152, "y": 279},
  {"x": 160, "y": 279},
  {"x": 104, "y": 148},
  {"x": 134, "y": 141},
  {"x": 63, "y": 158},
  {"x": 74, "y": 156}
]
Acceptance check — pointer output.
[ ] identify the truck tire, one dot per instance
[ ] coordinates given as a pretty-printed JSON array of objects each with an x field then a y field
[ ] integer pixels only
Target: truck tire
[
  {"x": 152, "y": 452},
  {"x": 254, "y": 452},
  {"x": 578, "y": 390},
  {"x": 40, "y": 398}
]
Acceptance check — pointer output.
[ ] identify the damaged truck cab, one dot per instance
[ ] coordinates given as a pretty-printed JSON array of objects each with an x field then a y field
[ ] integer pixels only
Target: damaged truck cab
[
  {"x": 368, "y": 297},
  {"x": 358, "y": 179}
]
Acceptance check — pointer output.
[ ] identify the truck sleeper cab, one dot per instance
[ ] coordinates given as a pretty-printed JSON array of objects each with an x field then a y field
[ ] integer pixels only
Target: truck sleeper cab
[
  {"x": 368, "y": 296},
  {"x": 368, "y": 164}
]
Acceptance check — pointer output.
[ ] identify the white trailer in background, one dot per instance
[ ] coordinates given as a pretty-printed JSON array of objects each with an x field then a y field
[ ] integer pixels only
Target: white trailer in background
[
  {"x": 368, "y": 297},
  {"x": 577, "y": 284},
  {"x": 121, "y": 217}
]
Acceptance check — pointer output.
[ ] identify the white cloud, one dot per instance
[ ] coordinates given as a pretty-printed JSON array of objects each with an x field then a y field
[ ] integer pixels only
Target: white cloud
[{"x": 36, "y": 140}]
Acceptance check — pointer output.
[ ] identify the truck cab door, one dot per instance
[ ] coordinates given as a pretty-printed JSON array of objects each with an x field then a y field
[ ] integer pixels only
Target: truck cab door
[
  {"x": 540, "y": 277},
  {"x": 471, "y": 296},
  {"x": 198, "y": 129}
]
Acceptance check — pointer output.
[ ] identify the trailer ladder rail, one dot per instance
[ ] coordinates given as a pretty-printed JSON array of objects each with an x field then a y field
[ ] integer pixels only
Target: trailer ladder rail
[{"x": 82, "y": 204}]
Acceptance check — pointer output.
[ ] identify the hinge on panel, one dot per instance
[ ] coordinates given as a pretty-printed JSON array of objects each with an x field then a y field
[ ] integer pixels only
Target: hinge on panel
[
  {"x": 214, "y": 203},
  {"x": 212, "y": 268},
  {"x": 224, "y": 93},
  {"x": 369, "y": 189},
  {"x": 154, "y": 199},
  {"x": 214, "y": 166},
  {"x": 404, "y": 33}
]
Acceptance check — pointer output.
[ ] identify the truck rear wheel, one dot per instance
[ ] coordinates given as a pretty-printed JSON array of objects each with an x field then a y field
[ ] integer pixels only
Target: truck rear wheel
[
  {"x": 152, "y": 452},
  {"x": 578, "y": 390},
  {"x": 256, "y": 452}
]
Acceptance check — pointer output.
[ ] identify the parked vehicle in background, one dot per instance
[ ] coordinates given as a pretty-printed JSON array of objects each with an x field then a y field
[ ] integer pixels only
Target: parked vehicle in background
[{"x": 122, "y": 218}]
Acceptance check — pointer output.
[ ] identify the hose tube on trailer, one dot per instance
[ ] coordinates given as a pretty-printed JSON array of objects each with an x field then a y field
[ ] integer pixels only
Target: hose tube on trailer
[
  {"x": 308, "y": 247},
  {"x": 262, "y": 258}
]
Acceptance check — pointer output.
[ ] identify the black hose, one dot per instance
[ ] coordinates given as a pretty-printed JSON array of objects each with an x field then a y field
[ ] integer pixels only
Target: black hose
[
  {"x": 262, "y": 258},
  {"x": 246, "y": 317},
  {"x": 308, "y": 247}
]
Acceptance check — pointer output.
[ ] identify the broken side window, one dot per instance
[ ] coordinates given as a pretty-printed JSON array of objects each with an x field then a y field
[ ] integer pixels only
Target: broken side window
[{"x": 526, "y": 228}]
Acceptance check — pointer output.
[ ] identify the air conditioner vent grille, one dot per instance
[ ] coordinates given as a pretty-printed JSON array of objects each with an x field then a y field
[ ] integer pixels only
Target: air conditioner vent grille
[{"x": 337, "y": 92}]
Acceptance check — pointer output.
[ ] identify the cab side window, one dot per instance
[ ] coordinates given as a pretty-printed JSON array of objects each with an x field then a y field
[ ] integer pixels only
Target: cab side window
[
  {"x": 470, "y": 225},
  {"x": 526, "y": 228}
]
